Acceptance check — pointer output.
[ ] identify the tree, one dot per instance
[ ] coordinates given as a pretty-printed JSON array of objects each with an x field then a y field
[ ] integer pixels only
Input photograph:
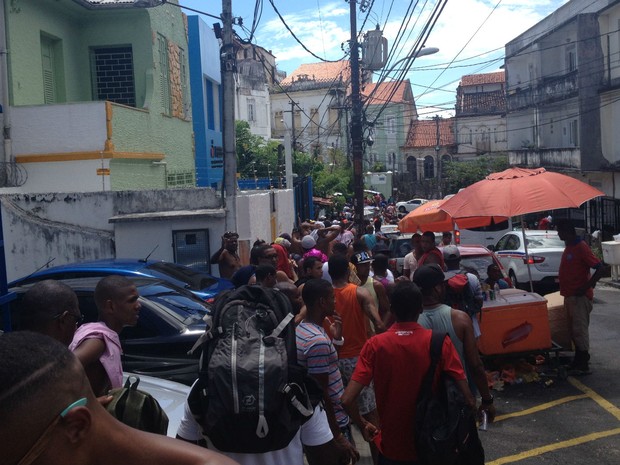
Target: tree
[{"x": 460, "y": 174}]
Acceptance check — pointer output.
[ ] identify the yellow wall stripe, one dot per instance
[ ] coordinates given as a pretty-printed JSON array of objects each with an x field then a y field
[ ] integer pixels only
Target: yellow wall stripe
[{"x": 75, "y": 156}]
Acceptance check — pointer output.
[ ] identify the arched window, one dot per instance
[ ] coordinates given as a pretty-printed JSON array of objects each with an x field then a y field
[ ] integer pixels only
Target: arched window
[
  {"x": 412, "y": 167},
  {"x": 429, "y": 167}
]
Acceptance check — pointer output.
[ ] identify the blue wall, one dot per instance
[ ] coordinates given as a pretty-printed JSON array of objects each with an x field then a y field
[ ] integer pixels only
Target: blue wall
[{"x": 206, "y": 91}]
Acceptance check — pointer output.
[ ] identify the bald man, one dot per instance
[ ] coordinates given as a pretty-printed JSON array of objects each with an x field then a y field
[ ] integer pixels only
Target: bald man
[
  {"x": 52, "y": 308},
  {"x": 39, "y": 374}
]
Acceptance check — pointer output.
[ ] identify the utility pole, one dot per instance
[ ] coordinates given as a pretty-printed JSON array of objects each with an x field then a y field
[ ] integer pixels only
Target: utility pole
[
  {"x": 437, "y": 157},
  {"x": 356, "y": 123},
  {"x": 228, "y": 61},
  {"x": 293, "y": 138}
]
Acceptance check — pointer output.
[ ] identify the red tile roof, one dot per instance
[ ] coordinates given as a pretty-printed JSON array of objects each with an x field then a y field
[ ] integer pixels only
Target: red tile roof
[
  {"x": 320, "y": 72},
  {"x": 379, "y": 93},
  {"x": 423, "y": 133},
  {"x": 480, "y": 103},
  {"x": 487, "y": 78}
]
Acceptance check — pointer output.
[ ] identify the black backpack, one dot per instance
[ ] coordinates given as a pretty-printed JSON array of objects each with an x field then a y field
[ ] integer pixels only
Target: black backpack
[
  {"x": 251, "y": 395},
  {"x": 445, "y": 428},
  {"x": 137, "y": 408},
  {"x": 459, "y": 294}
]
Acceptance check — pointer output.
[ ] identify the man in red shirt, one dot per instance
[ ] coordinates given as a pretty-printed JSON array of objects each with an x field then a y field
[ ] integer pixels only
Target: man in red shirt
[
  {"x": 397, "y": 361},
  {"x": 576, "y": 285},
  {"x": 431, "y": 254}
]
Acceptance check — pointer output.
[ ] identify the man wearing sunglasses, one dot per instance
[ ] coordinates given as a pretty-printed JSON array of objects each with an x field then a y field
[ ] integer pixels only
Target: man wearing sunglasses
[
  {"x": 49, "y": 414},
  {"x": 51, "y": 307}
]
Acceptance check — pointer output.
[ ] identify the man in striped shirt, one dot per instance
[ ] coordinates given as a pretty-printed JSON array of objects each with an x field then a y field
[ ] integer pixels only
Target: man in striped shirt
[{"x": 316, "y": 352}]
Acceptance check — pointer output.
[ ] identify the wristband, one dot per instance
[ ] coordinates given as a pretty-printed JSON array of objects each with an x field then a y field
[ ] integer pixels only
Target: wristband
[
  {"x": 338, "y": 342},
  {"x": 488, "y": 401}
]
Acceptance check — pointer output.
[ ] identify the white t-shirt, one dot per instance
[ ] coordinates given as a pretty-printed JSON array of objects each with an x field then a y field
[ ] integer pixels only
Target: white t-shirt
[
  {"x": 410, "y": 263},
  {"x": 314, "y": 432},
  {"x": 326, "y": 275}
]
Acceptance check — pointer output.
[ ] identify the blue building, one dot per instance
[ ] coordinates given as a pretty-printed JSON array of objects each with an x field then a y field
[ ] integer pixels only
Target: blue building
[{"x": 206, "y": 93}]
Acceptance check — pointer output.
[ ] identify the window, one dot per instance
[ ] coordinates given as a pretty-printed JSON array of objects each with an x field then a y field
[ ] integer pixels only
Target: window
[
  {"x": 390, "y": 125},
  {"x": 314, "y": 121},
  {"x": 429, "y": 167},
  {"x": 573, "y": 135},
  {"x": 181, "y": 178},
  {"x": 191, "y": 248},
  {"x": 112, "y": 74},
  {"x": 184, "y": 84},
  {"x": 333, "y": 117},
  {"x": 51, "y": 61},
  {"x": 251, "y": 110},
  {"x": 571, "y": 58},
  {"x": 412, "y": 167},
  {"x": 164, "y": 74},
  {"x": 297, "y": 118}
]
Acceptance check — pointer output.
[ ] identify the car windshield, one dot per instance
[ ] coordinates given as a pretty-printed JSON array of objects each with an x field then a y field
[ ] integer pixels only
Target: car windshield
[
  {"x": 544, "y": 242},
  {"x": 477, "y": 264},
  {"x": 184, "y": 308},
  {"x": 401, "y": 247},
  {"x": 196, "y": 280}
]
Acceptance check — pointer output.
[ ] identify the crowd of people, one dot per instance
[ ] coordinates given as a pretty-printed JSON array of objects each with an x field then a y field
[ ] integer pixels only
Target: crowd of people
[{"x": 363, "y": 334}]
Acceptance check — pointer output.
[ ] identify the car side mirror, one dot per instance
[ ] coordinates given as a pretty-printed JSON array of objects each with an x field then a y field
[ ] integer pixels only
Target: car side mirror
[{"x": 491, "y": 247}]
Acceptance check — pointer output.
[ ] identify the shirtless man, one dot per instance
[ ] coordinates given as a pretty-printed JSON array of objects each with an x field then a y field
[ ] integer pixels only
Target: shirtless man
[{"x": 227, "y": 258}]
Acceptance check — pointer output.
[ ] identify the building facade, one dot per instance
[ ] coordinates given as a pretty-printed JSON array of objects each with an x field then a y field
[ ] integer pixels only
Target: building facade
[
  {"x": 562, "y": 81},
  {"x": 310, "y": 104},
  {"x": 98, "y": 96},
  {"x": 390, "y": 107},
  {"x": 256, "y": 75},
  {"x": 430, "y": 144},
  {"x": 206, "y": 92},
  {"x": 480, "y": 117}
]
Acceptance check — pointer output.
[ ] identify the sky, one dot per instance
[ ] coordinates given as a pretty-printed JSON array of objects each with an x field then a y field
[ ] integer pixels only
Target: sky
[{"x": 470, "y": 36}]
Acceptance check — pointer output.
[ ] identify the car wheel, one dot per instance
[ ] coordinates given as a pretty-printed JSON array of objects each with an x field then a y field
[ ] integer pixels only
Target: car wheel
[
  {"x": 513, "y": 278},
  {"x": 402, "y": 209}
]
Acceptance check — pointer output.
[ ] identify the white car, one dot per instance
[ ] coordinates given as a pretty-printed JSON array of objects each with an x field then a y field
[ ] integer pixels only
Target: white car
[
  {"x": 545, "y": 250},
  {"x": 409, "y": 205}
]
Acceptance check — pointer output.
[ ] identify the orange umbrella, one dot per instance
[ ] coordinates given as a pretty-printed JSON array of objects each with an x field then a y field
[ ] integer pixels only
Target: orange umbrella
[
  {"x": 517, "y": 191},
  {"x": 431, "y": 217}
]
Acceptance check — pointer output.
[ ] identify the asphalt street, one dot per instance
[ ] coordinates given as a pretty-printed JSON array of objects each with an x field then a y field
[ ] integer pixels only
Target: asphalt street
[{"x": 573, "y": 421}]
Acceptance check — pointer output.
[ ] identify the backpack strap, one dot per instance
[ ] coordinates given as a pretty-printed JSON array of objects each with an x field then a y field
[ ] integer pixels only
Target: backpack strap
[{"x": 435, "y": 354}]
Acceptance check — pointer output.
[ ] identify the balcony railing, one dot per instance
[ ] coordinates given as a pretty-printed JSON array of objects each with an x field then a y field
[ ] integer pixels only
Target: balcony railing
[
  {"x": 551, "y": 89},
  {"x": 565, "y": 158}
]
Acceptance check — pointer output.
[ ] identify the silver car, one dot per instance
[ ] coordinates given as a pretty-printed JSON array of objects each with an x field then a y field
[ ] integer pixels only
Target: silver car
[{"x": 545, "y": 250}]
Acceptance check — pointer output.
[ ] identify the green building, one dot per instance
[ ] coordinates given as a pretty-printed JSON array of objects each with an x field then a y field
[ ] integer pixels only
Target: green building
[{"x": 98, "y": 96}]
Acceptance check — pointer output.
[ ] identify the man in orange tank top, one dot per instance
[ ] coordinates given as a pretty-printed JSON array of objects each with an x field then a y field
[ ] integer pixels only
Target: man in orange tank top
[{"x": 356, "y": 307}]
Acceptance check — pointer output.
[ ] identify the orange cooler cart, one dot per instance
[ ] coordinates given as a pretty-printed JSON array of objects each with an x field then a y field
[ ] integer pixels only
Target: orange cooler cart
[{"x": 517, "y": 321}]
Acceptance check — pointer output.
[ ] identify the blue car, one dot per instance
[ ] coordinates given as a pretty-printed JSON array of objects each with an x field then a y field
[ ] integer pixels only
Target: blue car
[
  {"x": 203, "y": 285},
  {"x": 170, "y": 323}
]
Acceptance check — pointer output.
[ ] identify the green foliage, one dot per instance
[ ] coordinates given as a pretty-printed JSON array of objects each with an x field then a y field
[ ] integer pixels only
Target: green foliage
[
  {"x": 257, "y": 157},
  {"x": 460, "y": 174},
  {"x": 327, "y": 182}
]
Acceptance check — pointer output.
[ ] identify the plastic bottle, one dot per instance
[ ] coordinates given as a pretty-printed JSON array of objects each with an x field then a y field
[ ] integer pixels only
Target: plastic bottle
[
  {"x": 484, "y": 421},
  {"x": 497, "y": 292}
]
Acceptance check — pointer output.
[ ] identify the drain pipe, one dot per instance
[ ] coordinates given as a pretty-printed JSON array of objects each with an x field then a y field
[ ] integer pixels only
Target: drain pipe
[{"x": 7, "y": 155}]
